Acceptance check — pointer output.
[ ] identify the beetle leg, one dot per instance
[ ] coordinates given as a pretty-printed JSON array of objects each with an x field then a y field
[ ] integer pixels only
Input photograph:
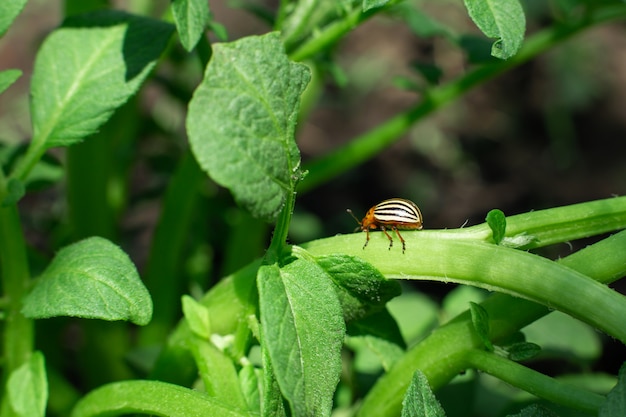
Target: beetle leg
[
  {"x": 388, "y": 236},
  {"x": 400, "y": 237},
  {"x": 367, "y": 237}
]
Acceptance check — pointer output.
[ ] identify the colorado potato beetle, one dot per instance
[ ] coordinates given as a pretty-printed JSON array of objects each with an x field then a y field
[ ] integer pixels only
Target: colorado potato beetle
[{"x": 394, "y": 214}]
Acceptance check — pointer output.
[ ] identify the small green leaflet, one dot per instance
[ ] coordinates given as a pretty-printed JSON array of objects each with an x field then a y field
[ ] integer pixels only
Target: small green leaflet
[
  {"x": 503, "y": 20},
  {"x": 191, "y": 17},
  {"x": 419, "y": 400},
  {"x": 480, "y": 321},
  {"x": 93, "y": 279},
  {"x": 242, "y": 119},
  {"x": 8, "y": 77},
  {"x": 535, "y": 410},
  {"x": 373, "y": 4},
  {"x": 8, "y": 12},
  {"x": 197, "y": 317},
  {"x": 497, "y": 223},
  {"x": 27, "y": 387},
  {"x": 361, "y": 288}
]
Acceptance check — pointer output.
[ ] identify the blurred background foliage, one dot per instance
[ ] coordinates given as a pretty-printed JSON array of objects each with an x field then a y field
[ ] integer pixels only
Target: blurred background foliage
[{"x": 548, "y": 133}]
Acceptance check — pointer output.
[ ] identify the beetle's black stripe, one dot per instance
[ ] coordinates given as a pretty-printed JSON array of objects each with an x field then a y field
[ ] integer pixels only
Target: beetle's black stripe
[{"x": 397, "y": 210}]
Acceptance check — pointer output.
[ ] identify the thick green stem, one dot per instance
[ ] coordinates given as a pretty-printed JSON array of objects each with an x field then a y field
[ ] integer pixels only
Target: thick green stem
[
  {"x": 279, "y": 238},
  {"x": 441, "y": 355},
  {"x": 18, "y": 330}
]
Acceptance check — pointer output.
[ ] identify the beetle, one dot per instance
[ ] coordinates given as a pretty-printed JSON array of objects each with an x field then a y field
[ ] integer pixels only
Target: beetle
[{"x": 394, "y": 214}]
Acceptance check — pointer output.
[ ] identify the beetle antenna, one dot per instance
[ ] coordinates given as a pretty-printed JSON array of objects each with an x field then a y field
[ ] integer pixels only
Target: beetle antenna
[{"x": 353, "y": 216}]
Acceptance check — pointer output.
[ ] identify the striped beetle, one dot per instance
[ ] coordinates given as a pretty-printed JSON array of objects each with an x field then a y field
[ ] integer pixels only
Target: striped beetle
[{"x": 394, "y": 214}]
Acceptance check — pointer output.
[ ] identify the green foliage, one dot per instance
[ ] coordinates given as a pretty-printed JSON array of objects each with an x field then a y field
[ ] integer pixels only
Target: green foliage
[
  {"x": 253, "y": 81},
  {"x": 361, "y": 289},
  {"x": 480, "y": 321},
  {"x": 319, "y": 328},
  {"x": 500, "y": 19},
  {"x": 8, "y": 77},
  {"x": 497, "y": 224},
  {"x": 191, "y": 18},
  {"x": 8, "y": 12},
  {"x": 92, "y": 278},
  {"x": 197, "y": 316},
  {"x": 419, "y": 400},
  {"x": 303, "y": 328},
  {"x": 27, "y": 387}
]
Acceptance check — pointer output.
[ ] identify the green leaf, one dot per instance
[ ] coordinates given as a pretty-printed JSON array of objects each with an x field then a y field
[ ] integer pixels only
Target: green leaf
[
  {"x": 150, "y": 398},
  {"x": 218, "y": 373},
  {"x": 242, "y": 118},
  {"x": 94, "y": 279},
  {"x": 197, "y": 317},
  {"x": 272, "y": 404},
  {"x": 373, "y": 4},
  {"x": 8, "y": 77},
  {"x": 523, "y": 351},
  {"x": 87, "y": 69},
  {"x": 191, "y": 17},
  {"x": 27, "y": 387},
  {"x": 303, "y": 331},
  {"x": 480, "y": 321},
  {"x": 615, "y": 404},
  {"x": 361, "y": 288},
  {"x": 419, "y": 400},
  {"x": 250, "y": 387},
  {"x": 535, "y": 410},
  {"x": 500, "y": 19},
  {"x": 497, "y": 223},
  {"x": 8, "y": 12}
]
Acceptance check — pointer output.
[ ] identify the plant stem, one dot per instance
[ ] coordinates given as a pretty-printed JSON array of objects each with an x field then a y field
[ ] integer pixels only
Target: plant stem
[
  {"x": 279, "y": 238},
  {"x": 371, "y": 143},
  {"x": 534, "y": 382},
  {"x": 18, "y": 330},
  {"x": 441, "y": 355}
]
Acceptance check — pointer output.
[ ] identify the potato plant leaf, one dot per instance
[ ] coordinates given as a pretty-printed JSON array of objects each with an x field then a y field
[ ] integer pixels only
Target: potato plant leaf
[
  {"x": 503, "y": 20},
  {"x": 8, "y": 12},
  {"x": 242, "y": 119},
  {"x": 27, "y": 387},
  {"x": 535, "y": 410},
  {"x": 197, "y": 316},
  {"x": 419, "y": 400},
  {"x": 361, "y": 288},
  {"x": 8, "y": 77},
  {"x": 93, "y": 279},
  {"x": 191, "y": 17},
  {"x": 523, "y": 351},
  {"x": 480, "y": 321},
  {"x": 373, "y": 4},
  {"x": 87, "y": 69},
  {"x": 303, "y": 331}
]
